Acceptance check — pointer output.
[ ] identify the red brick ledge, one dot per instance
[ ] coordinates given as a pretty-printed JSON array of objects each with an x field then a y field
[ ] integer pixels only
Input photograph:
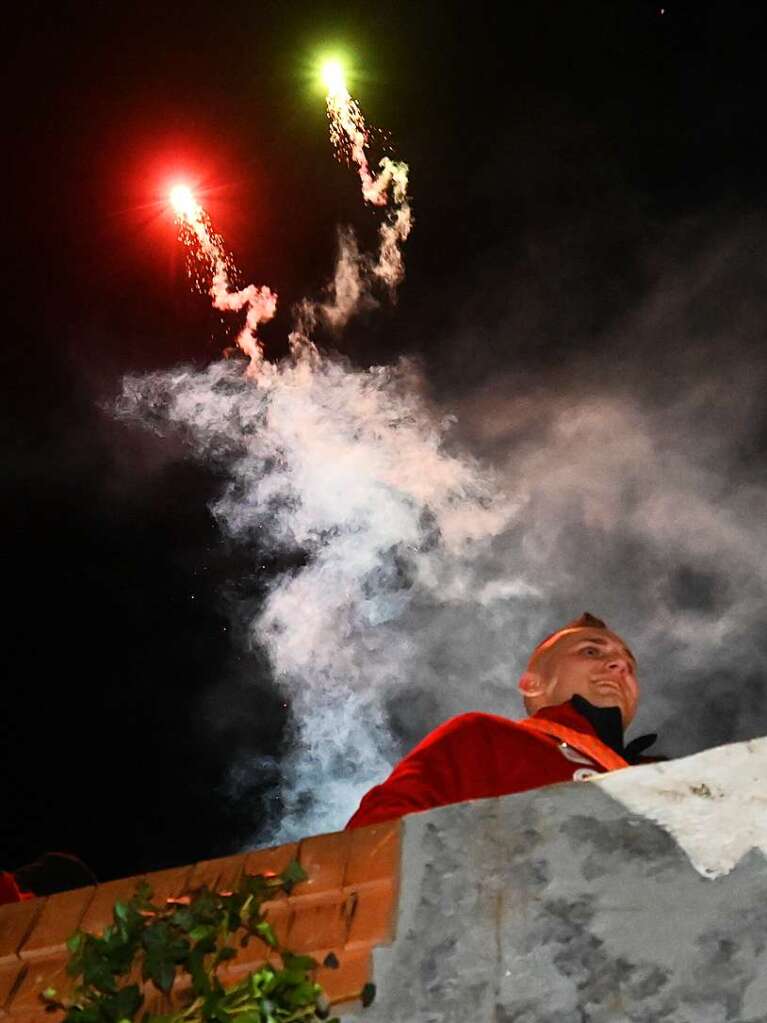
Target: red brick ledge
[{"x": 346, "y": 906}]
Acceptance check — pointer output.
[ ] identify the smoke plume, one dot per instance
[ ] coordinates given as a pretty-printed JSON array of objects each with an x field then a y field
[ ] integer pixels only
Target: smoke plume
[
  {"x": 350, "y": 468},
  {"x": 435, "y": 550}
]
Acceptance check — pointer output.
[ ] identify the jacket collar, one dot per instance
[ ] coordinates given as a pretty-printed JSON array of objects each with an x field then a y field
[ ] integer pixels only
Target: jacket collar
[{"x": 604, "y": 723}]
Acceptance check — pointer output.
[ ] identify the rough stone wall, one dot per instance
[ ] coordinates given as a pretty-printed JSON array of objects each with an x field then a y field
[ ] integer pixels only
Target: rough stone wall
[{"x": 561, "y": 905}]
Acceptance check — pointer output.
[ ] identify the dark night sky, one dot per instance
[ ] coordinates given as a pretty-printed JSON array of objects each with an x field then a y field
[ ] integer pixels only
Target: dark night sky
[{"x": 564, "y": 158}]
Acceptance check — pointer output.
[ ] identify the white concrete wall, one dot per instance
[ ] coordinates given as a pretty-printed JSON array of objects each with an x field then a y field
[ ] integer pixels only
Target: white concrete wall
[{"x": 639, "y": 896}]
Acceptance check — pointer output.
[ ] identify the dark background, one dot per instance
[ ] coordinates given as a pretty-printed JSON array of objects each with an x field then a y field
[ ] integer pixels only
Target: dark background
[{"x": 562, "y": 140}]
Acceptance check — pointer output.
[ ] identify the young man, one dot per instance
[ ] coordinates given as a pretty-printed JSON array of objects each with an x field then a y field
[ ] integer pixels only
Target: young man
[{"x": 580, "y": 690}]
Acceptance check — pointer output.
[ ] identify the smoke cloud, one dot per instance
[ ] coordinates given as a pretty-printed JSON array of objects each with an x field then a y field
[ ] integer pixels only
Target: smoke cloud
[
  {"x": 350, "y": 468},
  {"x": 436, "y": 550},
  {"x": 430, "y": 542}
]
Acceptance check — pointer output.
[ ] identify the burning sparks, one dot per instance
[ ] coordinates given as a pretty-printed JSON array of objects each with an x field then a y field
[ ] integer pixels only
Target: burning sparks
[
  {"x": 183, "y": 202},
  {"x": 333, "y": 78},
  {"x": 357, "y": 274},
  {"x": 212, "y": 268},
  {"x": 349, "y": 137}
]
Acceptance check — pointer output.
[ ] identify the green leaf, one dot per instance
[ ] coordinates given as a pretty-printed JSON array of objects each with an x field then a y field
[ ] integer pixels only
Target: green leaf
[
  {"x": 162, "y": 973},
  {"x": 293, "y": 962},
  {"x": 264, "y": 929},
  {"x": 205, "y": 906},
  {"x": 260, "y": 980},
  {"x": 292, "y": 874},
  {"x": 252, "y": 1016},
  {"x": 126, "y": 1002},
  {"x": 97, "y": 973},
  {"x": 301, "y": 994},
  {"x": 368, "y": 995},
  {"x": 202, "y": 932},
  {"x": 163, "y": 939},
  {"x": 195, "y": 966},
  {"x": 183, "y": 918},
  {"x": 79, "y": 1015}
]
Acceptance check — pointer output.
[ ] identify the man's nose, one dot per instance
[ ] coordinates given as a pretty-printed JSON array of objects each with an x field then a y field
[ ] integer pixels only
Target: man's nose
[{"x": 617, "y": 663}]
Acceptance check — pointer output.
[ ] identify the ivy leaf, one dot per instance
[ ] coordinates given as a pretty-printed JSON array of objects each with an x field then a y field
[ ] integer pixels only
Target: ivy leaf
[
  {"x": 195, "y": 965},
  {"x": 97, "y": 969},
  {"x": 252, "y": 1016},
  {"x": 265, "y": 930},
  {"x": 301, "y": 994},
  {"x": 205, "y": 906},
  {"x": 79, "y": 1015},
  {"x": 203, "y": 932},
  {"x": 160, "y": 970},
  {"x": 125, "y": 1004},
  {"x": 299, "y": 963},
  {"x": 292, "y": 874},
  {"x": 183, "y": 918},
  {"x": 186, "y": 933},
  {"x": 260, "y": 980}
]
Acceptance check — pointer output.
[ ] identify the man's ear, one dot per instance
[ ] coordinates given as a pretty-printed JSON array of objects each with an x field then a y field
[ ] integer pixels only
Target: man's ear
[{"x": 531, "y": 685}]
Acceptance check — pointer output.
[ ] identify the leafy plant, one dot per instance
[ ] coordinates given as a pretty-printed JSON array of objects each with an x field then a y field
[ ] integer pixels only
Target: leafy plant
[{"x": 148, "y": 942}]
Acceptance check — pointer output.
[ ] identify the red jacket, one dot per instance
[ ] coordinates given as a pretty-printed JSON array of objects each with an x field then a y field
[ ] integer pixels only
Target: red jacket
[
  {"x": 474, "y": 756},
  {"x": 10, "y": 891}
]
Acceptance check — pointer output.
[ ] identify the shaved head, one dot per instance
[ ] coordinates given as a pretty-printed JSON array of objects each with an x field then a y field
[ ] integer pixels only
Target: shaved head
[{"x": 583, "y": 658}]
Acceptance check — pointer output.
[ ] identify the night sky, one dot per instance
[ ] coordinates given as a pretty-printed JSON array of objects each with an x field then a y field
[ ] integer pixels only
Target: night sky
[{"x": 589, "y": 184}]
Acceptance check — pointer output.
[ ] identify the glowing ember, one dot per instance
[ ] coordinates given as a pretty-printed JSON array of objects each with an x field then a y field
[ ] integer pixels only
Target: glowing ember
[
  {"x": 333, "y": 78},
  {"x": 212, "y": 269},
  {"x": 183, "y": 202}
]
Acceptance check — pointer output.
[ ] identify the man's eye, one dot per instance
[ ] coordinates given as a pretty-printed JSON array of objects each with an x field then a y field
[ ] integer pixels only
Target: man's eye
[{"x": 590, "y": 650}]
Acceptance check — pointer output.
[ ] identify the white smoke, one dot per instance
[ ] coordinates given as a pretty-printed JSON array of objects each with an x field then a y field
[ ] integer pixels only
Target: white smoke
[
  {"x": 358, "y": 275},
  {"x": 428, "y": 577},
  {"x": 436, "y": 551},
  {"x": 350, "y": 467}
]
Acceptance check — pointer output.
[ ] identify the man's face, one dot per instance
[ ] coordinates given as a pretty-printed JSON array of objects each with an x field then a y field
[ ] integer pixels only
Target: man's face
[{"x": 593, "y": 663}]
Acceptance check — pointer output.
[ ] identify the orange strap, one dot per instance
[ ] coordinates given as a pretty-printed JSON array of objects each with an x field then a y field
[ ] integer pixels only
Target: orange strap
[{"x": 588, "y": 744}]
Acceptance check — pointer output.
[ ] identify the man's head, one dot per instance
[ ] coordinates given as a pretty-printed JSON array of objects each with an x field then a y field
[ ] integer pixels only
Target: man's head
[{"x": 586, "y": 659}]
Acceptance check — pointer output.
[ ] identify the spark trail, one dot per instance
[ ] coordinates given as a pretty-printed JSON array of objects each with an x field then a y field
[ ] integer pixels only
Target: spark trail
[
  {"x": 212, "y": 268},
  {"x": 357, "y": 273}
]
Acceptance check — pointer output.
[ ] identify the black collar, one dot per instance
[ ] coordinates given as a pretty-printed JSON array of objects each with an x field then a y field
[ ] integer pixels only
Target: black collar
[{"x": 608, "y": 724}]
